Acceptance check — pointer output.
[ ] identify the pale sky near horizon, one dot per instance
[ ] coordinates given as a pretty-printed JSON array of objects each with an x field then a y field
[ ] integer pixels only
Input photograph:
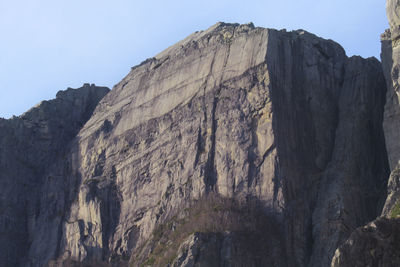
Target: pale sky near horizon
[{"x": 49, "y": 45}]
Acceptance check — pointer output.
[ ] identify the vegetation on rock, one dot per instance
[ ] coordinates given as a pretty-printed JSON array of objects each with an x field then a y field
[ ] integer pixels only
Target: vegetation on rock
[{"x": 212, "y": 214}]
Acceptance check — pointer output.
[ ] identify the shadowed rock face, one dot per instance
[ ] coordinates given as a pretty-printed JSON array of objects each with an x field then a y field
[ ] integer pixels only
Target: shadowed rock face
[
  {"x": 223, "y": 249},
  {"x": 31, "y": 145},
  {"x": 393, "y": 13},
  {"x": 328, "y": 114},
  {"x": 376, "y": 244},
  {"x": 285, "y": 118}
]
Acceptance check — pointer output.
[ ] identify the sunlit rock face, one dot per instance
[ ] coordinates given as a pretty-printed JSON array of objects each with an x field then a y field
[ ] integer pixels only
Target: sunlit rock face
[
  {"x": 284, "y": 119},
  {"x": 393, "y": 14},
  {"x": 247, "y": 112},
  {"x": 391, "y": 123},
  {"x": 391, "y": 66}
]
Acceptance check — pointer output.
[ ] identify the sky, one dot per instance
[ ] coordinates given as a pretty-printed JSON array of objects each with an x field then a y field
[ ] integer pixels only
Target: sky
[{"x": 50, "y": 45}]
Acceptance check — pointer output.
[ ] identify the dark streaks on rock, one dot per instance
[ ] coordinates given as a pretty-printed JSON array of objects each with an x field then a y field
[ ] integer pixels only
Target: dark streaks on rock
[{"x": 281, "y": 118}]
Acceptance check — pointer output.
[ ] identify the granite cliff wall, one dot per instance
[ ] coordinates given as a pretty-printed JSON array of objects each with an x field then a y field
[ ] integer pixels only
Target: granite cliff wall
[
  {"x": 31, "y": 145},
  {"x": 281, "y": 119},
  {"x": 377, "y": 243}
]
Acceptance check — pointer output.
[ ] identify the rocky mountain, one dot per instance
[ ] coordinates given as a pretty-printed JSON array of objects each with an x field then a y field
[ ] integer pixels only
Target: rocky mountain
[
  {"x": 377, "y": 244},
  {"x": 237, "y": 146},
  {"x": 31, "y": 146}
]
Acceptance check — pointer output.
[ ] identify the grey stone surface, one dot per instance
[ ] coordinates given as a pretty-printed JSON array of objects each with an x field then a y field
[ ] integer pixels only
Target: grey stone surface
[
  {"x": 376, "y": 245},
  {"x": 250, "y": 113},
  {"x": 350, "y": 195},
  {"x": 224, "y": 249},
  {"x": 391, "y": 65},
  {"x": 246, "y": 112},
  {"x": 393, "y": 13},
  {"x": 30, "y": 145},
  {"x": 393, "y": 192}
]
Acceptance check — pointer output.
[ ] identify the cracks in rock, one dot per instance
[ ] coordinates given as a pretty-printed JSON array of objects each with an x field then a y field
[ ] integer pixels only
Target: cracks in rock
[
  {"x": 210, "y": 174},
  {"x": 396, "y": 41},
  {"x": 251, "y": 155},
  {"x": 110, "y": 209},
  {"x": 266, "y": 154},
  {"x": 159, "y": 62},
  {"x": 210, "y": 178},
  {"x": 200, "y": 147},
  {"x": 254, "y": 163},
  {"x": 321, "y": 51}
]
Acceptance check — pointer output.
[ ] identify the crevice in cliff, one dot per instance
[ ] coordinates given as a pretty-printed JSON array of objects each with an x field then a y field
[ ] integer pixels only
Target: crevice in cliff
[
  {"x": 266, "y": 154},
  {"x": 251, "y": 155},
  {"x": 210, "y": 174},
  {"x": 110, "y": 208},
  {"x": 200, "y": 147}
]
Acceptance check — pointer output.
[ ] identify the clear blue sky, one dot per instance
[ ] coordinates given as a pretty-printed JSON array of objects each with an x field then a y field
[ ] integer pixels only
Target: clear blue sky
[{"x": 49, "y": 45}]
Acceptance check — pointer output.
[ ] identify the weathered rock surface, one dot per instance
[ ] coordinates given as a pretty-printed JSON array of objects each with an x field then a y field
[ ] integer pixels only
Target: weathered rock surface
[
  {"x": 282, "y": 117},
  {"x": 393, "y": 13},
  {"x": 376, "y": 245},
  {"x": 285, "y": 118},
  {"x": 391, "y": 65},
  {"x": 393, "y": 194},
  {"x": 224, "y": 249},
  {"x": 31, "y": 145}
]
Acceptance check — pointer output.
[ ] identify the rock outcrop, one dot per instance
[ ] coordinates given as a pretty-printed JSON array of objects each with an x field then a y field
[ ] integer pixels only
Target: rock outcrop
[
  {"x": 376, "y": 244},
  {"x": 31, "y": 145},
  {"x": 223, "y": 249},
  {"x": 393, "y": 13},
  {"x": 282, "y": 119},
  {"x": 391, "y": 66}
]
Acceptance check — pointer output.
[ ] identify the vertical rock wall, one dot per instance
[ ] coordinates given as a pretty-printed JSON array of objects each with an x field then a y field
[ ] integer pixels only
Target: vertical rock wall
[
  {"x": 376, "y": 244},
  {"x": 282, "y": 118},
  {"x": 31, "y": 145},
  {"x": 391, "y": 65},
  {"x": 285, "y": 118}
]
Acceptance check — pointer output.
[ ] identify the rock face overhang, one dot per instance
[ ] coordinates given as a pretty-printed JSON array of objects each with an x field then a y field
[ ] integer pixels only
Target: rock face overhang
[{"x": 245, "y": 112}]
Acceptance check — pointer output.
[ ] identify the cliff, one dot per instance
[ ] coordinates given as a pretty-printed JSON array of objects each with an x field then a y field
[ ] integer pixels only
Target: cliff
[
  {"x": 237, "y": 146},
  {"x": 376, "y": 244},
  {"x": 31, "y": 146}
]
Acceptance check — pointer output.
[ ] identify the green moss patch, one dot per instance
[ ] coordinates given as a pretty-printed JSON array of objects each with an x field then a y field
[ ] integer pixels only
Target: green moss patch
[{"x": 395, "y": 211}]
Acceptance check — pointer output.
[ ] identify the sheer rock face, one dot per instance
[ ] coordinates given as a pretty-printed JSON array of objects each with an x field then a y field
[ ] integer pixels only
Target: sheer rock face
[
  {"x": 282, "y": 117},
  {"x": 391, "y": 65},
  {"x": 31, "y": 145},
  {"x": 285, "y": 118},
  {"x": 393, "y": 13},
  {"x": 391, "y": 123},
  {"x": 377, "y": 243}
]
